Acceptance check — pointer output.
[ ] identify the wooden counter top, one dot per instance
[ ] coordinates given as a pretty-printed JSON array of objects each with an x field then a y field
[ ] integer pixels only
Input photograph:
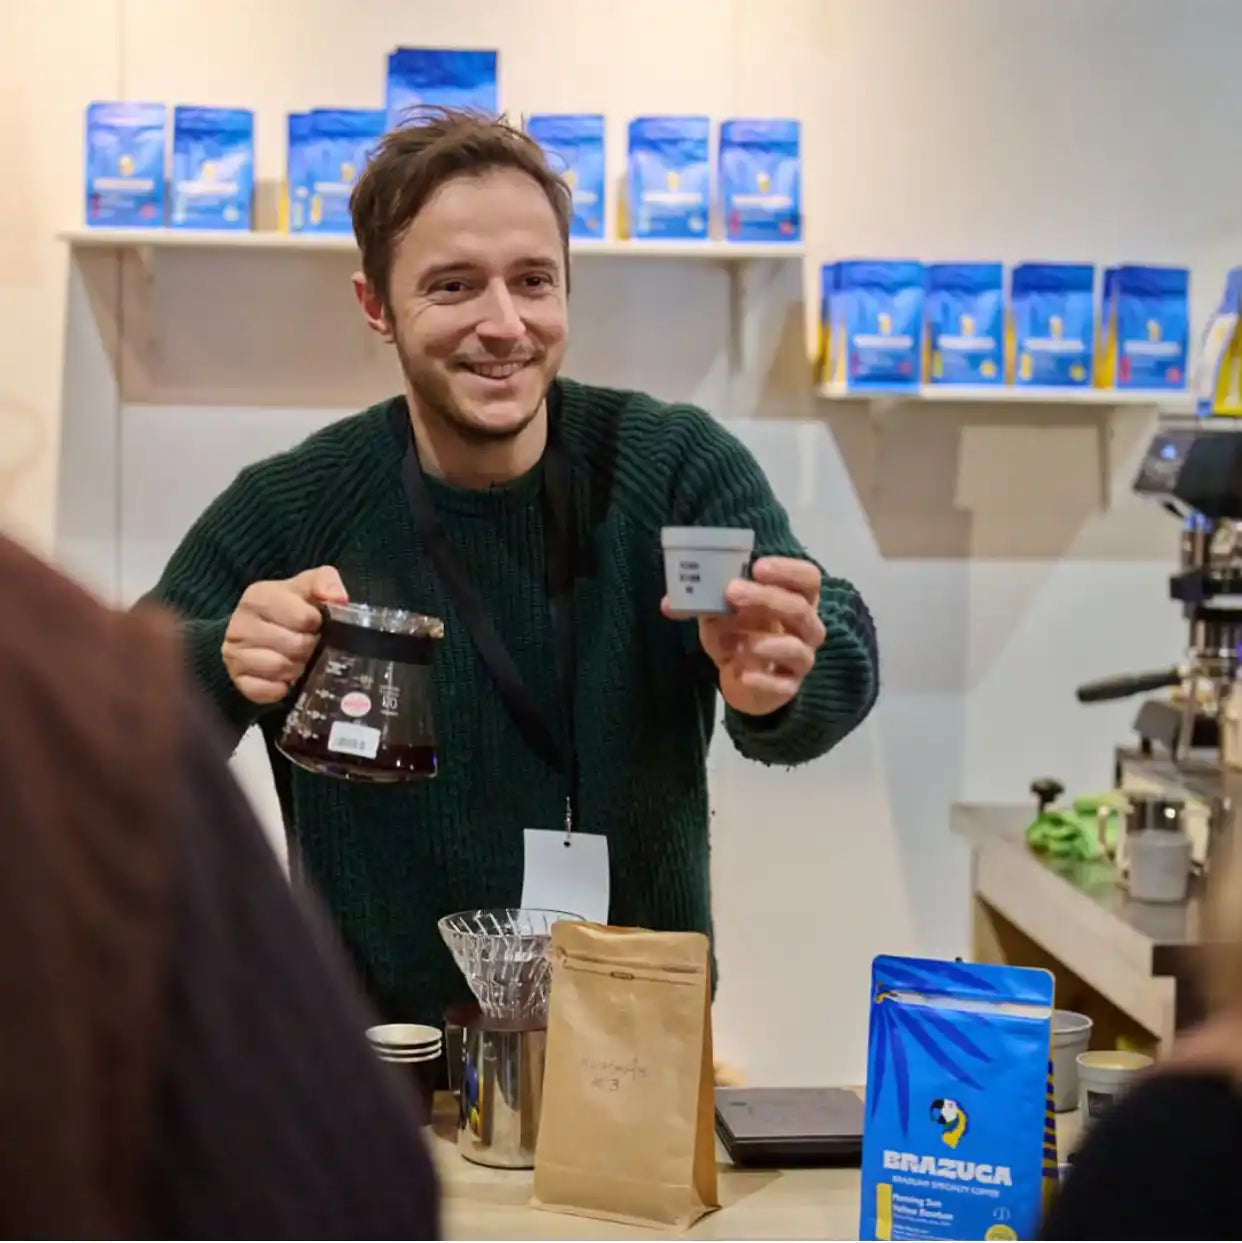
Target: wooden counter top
[
  {"x": 1142, "y": 957},
  {"x": 479, "y": 1203}
]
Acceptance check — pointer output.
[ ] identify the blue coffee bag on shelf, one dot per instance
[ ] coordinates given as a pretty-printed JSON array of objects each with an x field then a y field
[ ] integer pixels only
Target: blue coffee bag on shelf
[
  {"x": 440, "y": 77},
  {"x": 760, "y": 175},
  {"x": 212, "y": 168},
  {"x": 1052, "y": 323},
  {"x": 965, "y": 339},
  {"x": 126, "y": 146},
  {"x": 295, "y": 201},
  {"x": 336, "y": 149},
  {"x": 574, "y": 145},
  {"x": 876, "y": 313},
  {"x": 668, "y": 177},
  {"x": 1147, "y": 335},
  {"x": 958, "y": 1107}
]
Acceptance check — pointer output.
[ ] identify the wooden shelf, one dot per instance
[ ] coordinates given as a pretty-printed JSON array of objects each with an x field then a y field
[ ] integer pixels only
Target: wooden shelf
[
  {"x": 1172, "y": 400},
  {"x": 605, "y": 248}
]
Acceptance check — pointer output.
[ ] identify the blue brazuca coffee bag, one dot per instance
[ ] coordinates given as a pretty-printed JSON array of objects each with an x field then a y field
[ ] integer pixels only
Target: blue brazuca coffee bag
[
  {"x": 125, "y": 154},
  {"x": 760, "y": 174},
  {"x": 333, "y": 149},
  {"x": 213, "y": 168},
  {"x": 876, "y": 309},
  {"x": 1152, "y": 310},
  {"x": 440, "y": 77},
  {"x": 958, "y": 1101},
  {"x": 574, "y": 145},
  {"x": 965, "y": 323},
  {"x": 1052, "y": 323},
  {"x": 668, "y": 177}
]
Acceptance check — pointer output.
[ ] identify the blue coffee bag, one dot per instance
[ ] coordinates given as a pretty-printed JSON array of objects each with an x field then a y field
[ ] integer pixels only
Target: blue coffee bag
[
  {"x": 335, "y": 149},
  {"x": 440, "y": 77},
  {"x": 574, "y": 145},
  {"x": 958, "y": 1101},
  {"x": 876, "y": 310},
  {"x": 668, "y": 177},
  {"x": 212, "y": 168},
  {"x": 1152, "y": 316},
  {"x": 295, "y": 202},
  {"x": 761, "y": 180},
  {"x": 1052, "y": 323},
  {"x": 965, "y": 323},
  {"x": 126, "y": 146}
]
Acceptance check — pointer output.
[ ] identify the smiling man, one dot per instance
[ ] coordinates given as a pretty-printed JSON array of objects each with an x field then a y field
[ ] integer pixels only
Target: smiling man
[{"x": 524, "y": 509}]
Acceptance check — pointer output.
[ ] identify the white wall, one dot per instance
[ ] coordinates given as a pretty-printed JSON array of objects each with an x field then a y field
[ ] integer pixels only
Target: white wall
[{"x": 1093, "y": 129}]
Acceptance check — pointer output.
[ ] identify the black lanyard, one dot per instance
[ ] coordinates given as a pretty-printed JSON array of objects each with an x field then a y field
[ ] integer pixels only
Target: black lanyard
[{"x": 555, "y": 747}]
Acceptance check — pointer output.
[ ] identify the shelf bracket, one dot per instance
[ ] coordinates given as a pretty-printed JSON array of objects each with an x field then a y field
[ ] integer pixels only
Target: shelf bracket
[{"x": 735, "y": 343}]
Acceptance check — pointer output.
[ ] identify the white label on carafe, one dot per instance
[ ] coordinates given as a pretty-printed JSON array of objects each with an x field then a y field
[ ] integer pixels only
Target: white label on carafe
[{"x": 347, "y": 738}]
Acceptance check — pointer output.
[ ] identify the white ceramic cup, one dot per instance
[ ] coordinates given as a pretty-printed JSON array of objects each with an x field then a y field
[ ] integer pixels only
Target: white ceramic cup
[
  {"x": 1103, "y": 1076},
  {"x": 1071, "y": 1034},
  {"x": 700, "y": 562},
  {"x": 402, "y": 1039}
]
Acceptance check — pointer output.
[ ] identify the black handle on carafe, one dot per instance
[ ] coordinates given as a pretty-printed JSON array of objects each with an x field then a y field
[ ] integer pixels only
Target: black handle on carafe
[
  {"x": 1124, "y": 685},
  {"x": 296, "y": 689}
]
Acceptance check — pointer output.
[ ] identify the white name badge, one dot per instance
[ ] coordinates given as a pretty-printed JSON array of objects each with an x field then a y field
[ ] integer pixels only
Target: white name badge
[{"x": 567, "y": 873}]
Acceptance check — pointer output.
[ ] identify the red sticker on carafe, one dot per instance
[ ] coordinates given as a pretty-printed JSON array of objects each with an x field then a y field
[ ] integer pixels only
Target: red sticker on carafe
[{"x": 355, "y": 704}]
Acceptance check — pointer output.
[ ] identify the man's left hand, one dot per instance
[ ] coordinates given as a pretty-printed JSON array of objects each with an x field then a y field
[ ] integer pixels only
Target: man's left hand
[{"x": 767, "y": 645}]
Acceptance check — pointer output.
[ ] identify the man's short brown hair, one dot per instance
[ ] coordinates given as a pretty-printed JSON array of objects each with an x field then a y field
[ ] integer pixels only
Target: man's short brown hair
[{"x": 414, "y": 160}]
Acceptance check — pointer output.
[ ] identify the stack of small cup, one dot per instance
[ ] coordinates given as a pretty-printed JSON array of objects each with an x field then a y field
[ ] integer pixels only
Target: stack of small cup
[{"x": 416, "y": 1051}]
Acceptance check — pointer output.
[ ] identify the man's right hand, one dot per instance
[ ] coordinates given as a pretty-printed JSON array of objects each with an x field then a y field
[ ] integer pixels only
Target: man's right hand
[{"x": 273, "y": 632}]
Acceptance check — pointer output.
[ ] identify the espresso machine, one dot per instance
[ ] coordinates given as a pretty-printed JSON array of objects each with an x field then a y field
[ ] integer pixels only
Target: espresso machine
[{"x": 1193, "y": 468}]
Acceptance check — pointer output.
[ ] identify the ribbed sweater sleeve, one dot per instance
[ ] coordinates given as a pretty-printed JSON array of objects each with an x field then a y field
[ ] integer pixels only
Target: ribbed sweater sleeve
[
  {"x": 237, "y": 541},
  {"x": 718, "y": 482}
]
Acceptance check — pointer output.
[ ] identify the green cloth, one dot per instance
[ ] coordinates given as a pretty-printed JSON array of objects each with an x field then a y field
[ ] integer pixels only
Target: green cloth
[
  {"x": 390, "y": 861},
  {"x": 1073, "y": 832}
]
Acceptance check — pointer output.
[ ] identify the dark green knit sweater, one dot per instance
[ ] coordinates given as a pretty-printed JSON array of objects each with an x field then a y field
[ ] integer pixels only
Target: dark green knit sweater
[{"x": 390, "y": 861}]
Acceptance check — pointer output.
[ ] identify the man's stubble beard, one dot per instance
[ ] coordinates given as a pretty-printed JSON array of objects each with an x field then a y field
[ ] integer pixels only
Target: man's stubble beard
[{"x": 435, "y": 400}]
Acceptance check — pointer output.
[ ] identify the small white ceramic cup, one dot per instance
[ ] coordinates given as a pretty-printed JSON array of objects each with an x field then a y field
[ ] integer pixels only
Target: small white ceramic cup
[
  {"x": 700, "y": 562},
  {"x": 405, "y": 1039}
]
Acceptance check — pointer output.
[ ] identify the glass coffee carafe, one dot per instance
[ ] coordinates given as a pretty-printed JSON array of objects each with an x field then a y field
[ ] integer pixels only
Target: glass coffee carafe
[{"x": 363, "y": 708}]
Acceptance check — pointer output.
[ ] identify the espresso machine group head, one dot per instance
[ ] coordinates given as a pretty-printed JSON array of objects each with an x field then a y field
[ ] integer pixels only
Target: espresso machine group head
[{"x": 1193, "y": 467}]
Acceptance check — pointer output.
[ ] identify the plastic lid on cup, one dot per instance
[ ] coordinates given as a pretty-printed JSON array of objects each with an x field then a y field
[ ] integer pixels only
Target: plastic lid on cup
[{"x": 718, "y": 539}]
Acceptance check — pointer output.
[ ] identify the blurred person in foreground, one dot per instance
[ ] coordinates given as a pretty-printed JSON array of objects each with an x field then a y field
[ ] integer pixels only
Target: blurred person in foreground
[
  {"x": 181, "y": 1053},
  {"x": 1162, "y": 1162}
]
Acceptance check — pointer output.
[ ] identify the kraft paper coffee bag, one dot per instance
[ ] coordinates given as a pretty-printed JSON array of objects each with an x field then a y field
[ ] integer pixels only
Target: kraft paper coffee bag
[
  {"x": 959, "y": 1102},
  {"x": 627, "y": 1131}
]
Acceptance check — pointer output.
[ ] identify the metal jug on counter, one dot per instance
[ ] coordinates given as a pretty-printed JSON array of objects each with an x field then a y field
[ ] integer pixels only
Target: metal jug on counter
[
  {"x": 504, "y": 956},
  {"x": 362, "y": 710}
]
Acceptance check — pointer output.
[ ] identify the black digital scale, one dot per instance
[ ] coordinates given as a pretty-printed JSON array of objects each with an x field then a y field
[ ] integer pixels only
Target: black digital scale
[{"x": 790, "y": 1126}]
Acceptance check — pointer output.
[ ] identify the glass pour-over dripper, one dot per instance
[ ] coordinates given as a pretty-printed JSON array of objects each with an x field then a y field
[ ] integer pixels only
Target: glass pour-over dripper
[{"x": 503, "y": 954}]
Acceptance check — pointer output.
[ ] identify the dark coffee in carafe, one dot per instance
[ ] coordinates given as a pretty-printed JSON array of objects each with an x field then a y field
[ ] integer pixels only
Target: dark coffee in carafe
[{"x": 363, "y": 710}]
